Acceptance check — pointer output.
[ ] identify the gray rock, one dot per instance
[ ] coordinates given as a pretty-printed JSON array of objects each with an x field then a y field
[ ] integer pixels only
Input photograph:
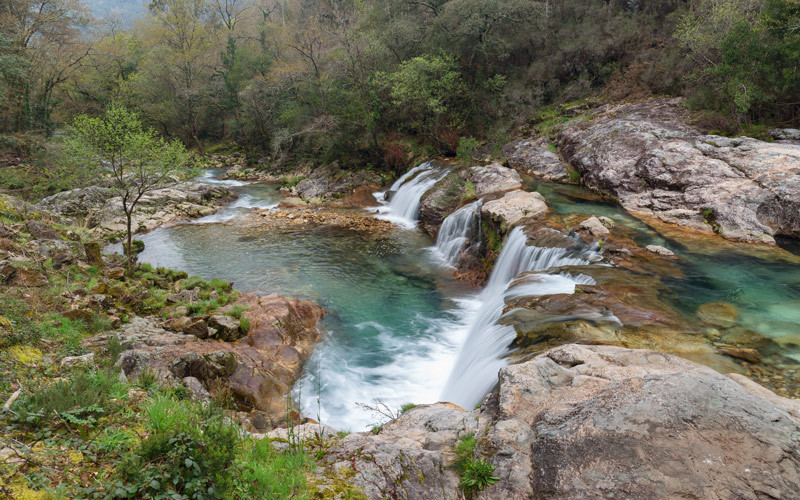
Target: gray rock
[
  {"x": 515, "y": 207},
  {"x": 657, "y": 249},
  {"x": 785, "y": 134},
  {"x": 494, "y": 178},
  {"x": 41, "y": 231},
  {"x": 593, "y": 227},
  {"x": 536, "y": 158},
  {"x": 73, "y": 361},
  {"x": 657, "y": 166},
  {"x": 7, "y": 271},
  {"x": 227, "y": 328},
  {"x": 593, "y": 422},
  {"x": 199, "y": 393}
]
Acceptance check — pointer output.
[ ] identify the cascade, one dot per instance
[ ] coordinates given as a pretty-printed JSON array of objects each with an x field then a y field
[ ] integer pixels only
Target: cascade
[
  {"x": 482, "y": 355},
  {"x": 403, "y": 208},
  {"x": 458, "y": 230}
]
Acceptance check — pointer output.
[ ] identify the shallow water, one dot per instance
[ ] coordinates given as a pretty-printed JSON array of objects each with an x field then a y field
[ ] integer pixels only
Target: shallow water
[{"x": 766, "y": 291}]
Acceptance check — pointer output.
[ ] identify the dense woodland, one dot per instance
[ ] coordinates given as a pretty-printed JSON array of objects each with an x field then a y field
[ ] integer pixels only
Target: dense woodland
[{"x": 361, "y": 81}]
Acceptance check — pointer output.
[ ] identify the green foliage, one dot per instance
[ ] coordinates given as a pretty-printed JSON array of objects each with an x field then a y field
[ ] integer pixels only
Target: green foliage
[
  {"x": 467, "y": 146},
  {"x": 261, "y": 472},
  {"x": 476, "y": 474},
  {"x": 406, "y": 407},
  {"x": 469, "y": 192},
  {"x": 79, "y": 399}
]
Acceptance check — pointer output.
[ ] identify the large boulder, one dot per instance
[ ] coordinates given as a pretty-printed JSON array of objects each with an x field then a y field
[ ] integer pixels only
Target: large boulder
[
  {"x": 331, "y": 181},
  {"x": 494, "y": 178},
  {"x": 442, "y": 199},
  {"x": 258, "y": 369},
  {"x": 515, "y": 207},
  {"x": 536, "y": 158},
  {"x": 647, "y": 156},
  {"x": 584, "y": 421}
]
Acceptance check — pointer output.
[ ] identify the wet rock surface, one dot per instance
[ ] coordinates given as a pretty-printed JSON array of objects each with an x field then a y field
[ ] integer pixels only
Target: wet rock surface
[
  {"x": 593, "y": 422},
  {"x": 648, "y": 157}
]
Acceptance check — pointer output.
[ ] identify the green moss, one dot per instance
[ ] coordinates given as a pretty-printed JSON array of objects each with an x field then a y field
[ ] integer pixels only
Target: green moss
[{"x": 469, "y": 193}]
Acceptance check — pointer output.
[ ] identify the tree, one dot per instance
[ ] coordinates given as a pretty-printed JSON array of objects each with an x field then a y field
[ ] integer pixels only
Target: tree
[{"x": 137, "y": 160}]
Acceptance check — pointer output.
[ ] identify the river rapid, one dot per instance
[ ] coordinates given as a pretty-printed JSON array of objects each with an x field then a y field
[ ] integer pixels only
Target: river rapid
[{"x": 399, "y": 328}]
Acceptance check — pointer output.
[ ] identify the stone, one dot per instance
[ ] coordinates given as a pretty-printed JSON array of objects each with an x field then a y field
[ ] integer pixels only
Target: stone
[
  {"x": 199, "y": 393},
  {"x": 785, "y": 134},
  {"x": 718, "y": 314},
  {"x": 28, "y": 277},
  {"x": 441, "y": 200},
  {"x": 189, "y": 326},
  {"x": 536, "y": 158},
  {"x": 594, "y": 228},
  {"x": 41, "y": 231},
  {"x": 292, "y": 202},
  {"x": 647, "y": 156},
  {"x": 515, "y": 207},
  {"x": 608, "y": 222},
  {"x": 258, "y": 369},
  {"x": 584, "y": 421},
  {"x": 750, "y": 355},
  {"x": 657, "y": 249},
  {"x": 494, "y": 178},
  {"x": 187, "y": 296},
  {"x": 227, "y": 328},
  {"x": 94, "y": 254},
  {"x": 79, "y": 315},
  {"x": 283, "y": 438},
  {"x": 115, "y": 273},
  {"x": 73, "y": 361},
  {"x": 7, "y": 271}
]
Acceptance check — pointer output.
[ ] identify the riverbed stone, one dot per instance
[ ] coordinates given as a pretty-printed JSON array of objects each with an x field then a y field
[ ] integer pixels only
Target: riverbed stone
[
  {"x": 227, "y": 328},
  {"x": 593, "y": 228},
  {"x": 658, "y": 249},
  {"x": 718, "y": 314},
  {"x": 515, "y": 207}
]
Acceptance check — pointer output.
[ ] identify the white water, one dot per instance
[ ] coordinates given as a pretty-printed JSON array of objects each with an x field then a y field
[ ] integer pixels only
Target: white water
[
  {"x": 459, "y": 230},
  {"x": 210, "y": 177},
  {"x": 243, "y": 204},
  {"x": 482, "y": 354},
  {"x": 403, "y": 208}
]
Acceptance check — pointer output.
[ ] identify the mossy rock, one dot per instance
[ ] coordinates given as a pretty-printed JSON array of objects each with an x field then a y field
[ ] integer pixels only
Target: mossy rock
[{"x": 6, "y": 331}]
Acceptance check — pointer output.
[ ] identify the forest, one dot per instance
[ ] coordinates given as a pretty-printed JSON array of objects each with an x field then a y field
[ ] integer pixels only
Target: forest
[{"x": 362, "y": 81}]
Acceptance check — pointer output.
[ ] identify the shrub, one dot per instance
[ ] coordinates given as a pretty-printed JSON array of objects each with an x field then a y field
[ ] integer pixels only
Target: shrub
[
  {"x": 467, "y": 146},
  {"x": 469, "y": 192},
  {"x": 261, "y": 472}
]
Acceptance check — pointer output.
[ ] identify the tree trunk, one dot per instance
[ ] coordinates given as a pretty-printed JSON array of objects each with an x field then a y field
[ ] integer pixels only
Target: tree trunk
[{"x": 129, "y": 241}]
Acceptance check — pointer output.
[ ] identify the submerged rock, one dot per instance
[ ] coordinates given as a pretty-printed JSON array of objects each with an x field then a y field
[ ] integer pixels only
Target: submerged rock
[
  {"x": 593, "y": 422},
  {"x": 718, "y": 314}
]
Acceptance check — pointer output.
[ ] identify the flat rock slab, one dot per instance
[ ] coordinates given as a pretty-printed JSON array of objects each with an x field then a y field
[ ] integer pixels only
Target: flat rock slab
[
  {"x": 494, "y": 178},
  {"x": 514, "y": 207}
]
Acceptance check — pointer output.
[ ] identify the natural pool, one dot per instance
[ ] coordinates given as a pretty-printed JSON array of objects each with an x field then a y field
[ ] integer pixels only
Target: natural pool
[{"x": 396, "y": 317}]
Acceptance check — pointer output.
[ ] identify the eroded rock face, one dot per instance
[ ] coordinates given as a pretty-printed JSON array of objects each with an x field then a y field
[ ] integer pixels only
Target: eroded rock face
[
  {"x": 647, "y": 156},
  {"x": 594, "y": 422},
  {"x": 101, "y": 208},
  {"x": 441, "y": 200},
  {"x": 259, "y": 369},
  {"x": 333, "y": 181},
  {"x": 514, "y": 207},
  {"x": 536, "y": 158}
]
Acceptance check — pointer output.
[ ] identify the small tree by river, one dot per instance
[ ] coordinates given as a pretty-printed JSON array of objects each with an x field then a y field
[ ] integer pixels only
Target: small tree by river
[{"x": 132, "y": 159}]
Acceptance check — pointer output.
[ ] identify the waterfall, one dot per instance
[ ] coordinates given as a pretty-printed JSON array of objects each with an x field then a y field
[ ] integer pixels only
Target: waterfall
[
  {"x": 482, "y": 355},
  {"x": 403, "y": 208},
  {"x": 458, "y": 230}
]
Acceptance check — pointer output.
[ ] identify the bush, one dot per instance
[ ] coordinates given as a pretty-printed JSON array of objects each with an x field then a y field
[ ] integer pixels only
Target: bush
[
  {"x": 467, "y": 146},
  {"x": 260, "y": 472}
]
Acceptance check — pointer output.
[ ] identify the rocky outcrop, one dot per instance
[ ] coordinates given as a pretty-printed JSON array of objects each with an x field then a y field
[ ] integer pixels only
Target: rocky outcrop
[
  {"x": 442, "y": 199},
  {"x": 334, "y": 182},
  {"x": 101, "y": 208},
  {"x": 593, "y": 422},
  {"x": 494, "y": 178},
  {"x": 258, "y": 369},
  {"x": 536, "y": 158},
  {"x": 647, "y": 156},
  {"x": 515, "y": 207}
]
